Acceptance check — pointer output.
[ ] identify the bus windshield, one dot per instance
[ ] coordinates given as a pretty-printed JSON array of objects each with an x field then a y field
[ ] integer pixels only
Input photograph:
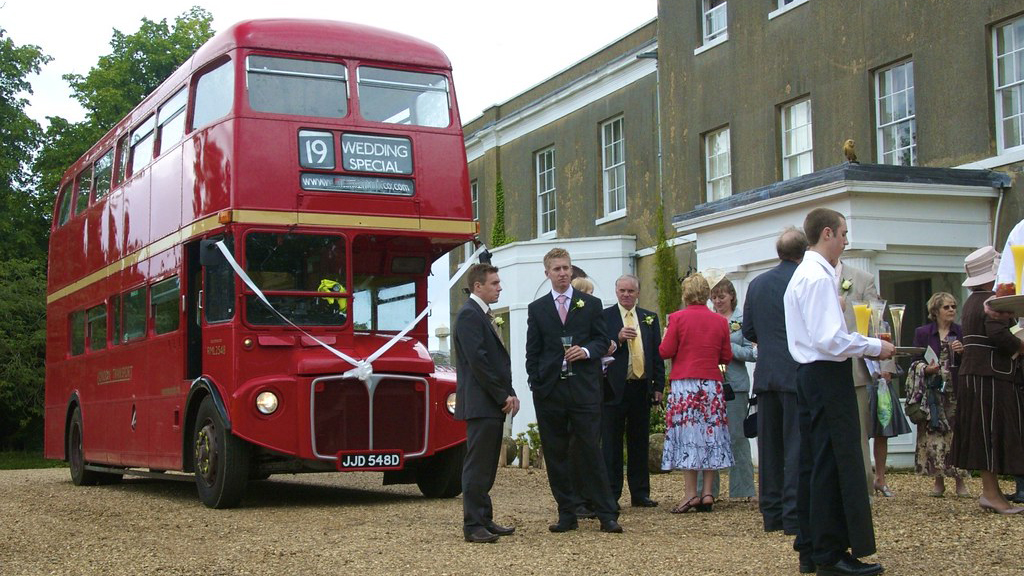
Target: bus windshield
[{"x": 287, "y": 262}]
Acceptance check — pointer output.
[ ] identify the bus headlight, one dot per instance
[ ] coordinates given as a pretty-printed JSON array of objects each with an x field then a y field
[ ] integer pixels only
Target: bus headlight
[
  {"x": 266, "y": 403},
  {"x": 450, "y": 403}
]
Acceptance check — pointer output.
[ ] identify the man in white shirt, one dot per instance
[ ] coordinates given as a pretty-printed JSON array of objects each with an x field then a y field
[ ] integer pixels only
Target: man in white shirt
[{"x": 832, "y": 500}]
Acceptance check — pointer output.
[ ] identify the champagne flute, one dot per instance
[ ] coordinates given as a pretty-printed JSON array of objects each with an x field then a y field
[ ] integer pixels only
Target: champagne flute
[
  {"x": 566, "y": 344},
  {"x": 896, "y": 311}
]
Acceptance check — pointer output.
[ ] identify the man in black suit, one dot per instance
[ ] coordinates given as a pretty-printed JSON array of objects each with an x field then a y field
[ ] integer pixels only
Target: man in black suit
[
  {"x": 483, "y": 396},
  {"x": 778, "y": 427},
  {"x": 566, "y": 385},
  {"x": 635, "y": 378}
]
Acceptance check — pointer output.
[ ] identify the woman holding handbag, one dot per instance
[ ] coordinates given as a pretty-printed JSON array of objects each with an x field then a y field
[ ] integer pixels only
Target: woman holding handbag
[{"x": 931, "y": 392}]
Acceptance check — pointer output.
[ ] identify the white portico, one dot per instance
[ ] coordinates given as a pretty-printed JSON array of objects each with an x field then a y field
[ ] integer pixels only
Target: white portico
[
  {"x": 521, "y": 267},
  {"x": 908, "y": 226}
]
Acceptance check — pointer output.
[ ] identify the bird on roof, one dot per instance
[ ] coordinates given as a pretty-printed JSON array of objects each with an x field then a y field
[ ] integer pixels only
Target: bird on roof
[{"x": 848, "y": 151}]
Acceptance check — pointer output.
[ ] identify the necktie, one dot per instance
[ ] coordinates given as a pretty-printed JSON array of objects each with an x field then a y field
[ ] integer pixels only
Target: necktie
[
  {"x": 563, "y": 307},
  {"x": 636, "y": 348}
]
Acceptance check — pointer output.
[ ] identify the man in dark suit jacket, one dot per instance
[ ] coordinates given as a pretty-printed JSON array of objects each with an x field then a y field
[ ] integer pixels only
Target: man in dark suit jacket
[
  {"x": 483, "y": 396},
  {"x": 778, "y": 427},
  {"x": 567, "y": 389},
  {"x": 635, "y": 377}
]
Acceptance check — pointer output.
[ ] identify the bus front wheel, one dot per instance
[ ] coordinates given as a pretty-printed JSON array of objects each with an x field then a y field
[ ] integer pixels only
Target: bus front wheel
[
  {"x": 76, "y": 457},
  {"x": 440, "y": 475},
  {"x": 220, "y": 459}
]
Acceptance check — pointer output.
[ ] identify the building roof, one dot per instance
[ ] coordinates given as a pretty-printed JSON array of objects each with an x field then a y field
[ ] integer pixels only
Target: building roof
[{"x": 853, "y": 172}]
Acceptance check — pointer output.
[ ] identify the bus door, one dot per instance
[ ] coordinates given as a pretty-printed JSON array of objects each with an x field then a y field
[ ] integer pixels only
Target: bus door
[{"x": 212, "y": 307}]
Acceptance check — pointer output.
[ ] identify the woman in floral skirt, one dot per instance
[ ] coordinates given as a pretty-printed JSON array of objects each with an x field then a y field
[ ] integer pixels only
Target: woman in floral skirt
[
  {"x": 697, "y": 429},
  {"x": 933, "y": 388}
]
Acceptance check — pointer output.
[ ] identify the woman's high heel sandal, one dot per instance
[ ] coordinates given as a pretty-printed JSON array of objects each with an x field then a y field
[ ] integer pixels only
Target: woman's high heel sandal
[
  {"x": 704, "y": 505},
  {"x": 884, "y": 490},
  {"x": 691, "y": 505}
]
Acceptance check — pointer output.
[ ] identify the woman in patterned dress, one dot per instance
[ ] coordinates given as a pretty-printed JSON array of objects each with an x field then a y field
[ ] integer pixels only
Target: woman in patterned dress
[
  {"x": 697, "y": 428},
  {"x": 938, "y": 395}
]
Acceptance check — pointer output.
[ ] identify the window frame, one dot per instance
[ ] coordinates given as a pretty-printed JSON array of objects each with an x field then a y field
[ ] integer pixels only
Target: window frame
[
  {"x": 787, "y": 154},
  {"x": 79, "y": 206},
  {"x": 613, "y": 211},
  {"x": 97, "y": 193},
  {"x": 543, "y": 175},
  {"x": 1015, "y": 88},
  {"x": 719, "y": 34},
  {"x": 172, "y": 110},
  {"x": 474, "y": 199},
  {"x": 711, "y": 177},
  {"x": 144, "y": 131},
  {"x": 908, "y": 93}
]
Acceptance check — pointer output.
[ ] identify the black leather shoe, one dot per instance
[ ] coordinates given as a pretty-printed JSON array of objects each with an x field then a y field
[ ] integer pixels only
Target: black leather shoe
[
  {"x": 585, "y": 513},
  {"x": 807, "y": 566},
  {"x": 850, "y": 566},
  {"x": 563, "y": 526},
  {"x": 501, "y": 530},
  {"x": 480, "y": 535},
  {"x": 611, "y": 526},
  {"x": 644, "y": 503}
]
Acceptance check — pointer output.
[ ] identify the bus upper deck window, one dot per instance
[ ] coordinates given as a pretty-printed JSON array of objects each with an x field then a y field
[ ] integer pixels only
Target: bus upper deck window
[
  {"x": 64, "y": 212},
  {"x": 400, "y": 97},
  {"x": 84, "y": 187},
  {"x": 214, "y": 95},
  {"x": 102, "y": 171},
  {"x": 300, "y": 87},
  {"x": 142, "y": 145},
  {"x": 171, "y": 119}
]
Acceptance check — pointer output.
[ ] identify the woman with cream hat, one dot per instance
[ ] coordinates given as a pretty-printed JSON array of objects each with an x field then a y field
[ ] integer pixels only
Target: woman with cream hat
[{"x": 988, "y": 432}]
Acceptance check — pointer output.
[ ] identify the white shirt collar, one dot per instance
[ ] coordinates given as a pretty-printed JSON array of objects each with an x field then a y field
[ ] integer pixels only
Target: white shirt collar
[
  {"x": 483, "y": 305},
  {"x": 568, "y": 293}
]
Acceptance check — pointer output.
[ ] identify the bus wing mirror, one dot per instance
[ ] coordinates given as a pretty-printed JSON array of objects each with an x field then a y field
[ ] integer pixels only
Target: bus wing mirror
[{"x": 209, "y": 255}]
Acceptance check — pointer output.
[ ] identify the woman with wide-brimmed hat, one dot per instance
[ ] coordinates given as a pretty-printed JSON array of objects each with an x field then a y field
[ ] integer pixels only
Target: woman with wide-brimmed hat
[{"x": 988, "y": 431}]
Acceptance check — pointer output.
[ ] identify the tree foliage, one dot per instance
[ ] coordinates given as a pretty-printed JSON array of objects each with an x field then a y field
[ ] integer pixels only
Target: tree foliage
[
  {"x": 20, "y": 135},
  {"x": 666, "y": 274},
  {"x": 22, "y": 352},
  {"x": 499, "y": 236}
]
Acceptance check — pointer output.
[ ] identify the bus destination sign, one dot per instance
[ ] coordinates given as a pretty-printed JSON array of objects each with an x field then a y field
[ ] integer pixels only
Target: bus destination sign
[
  {"x": 357, "y": 184},
  {"x": 362, "y": 153}
]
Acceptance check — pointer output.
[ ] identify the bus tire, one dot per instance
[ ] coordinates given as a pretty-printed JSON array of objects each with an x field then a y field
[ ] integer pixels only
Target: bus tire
[
  {"x": 76, "y": 457},
  {"x": 440, "y": 476},
  {"x": 220, "y": 459}
]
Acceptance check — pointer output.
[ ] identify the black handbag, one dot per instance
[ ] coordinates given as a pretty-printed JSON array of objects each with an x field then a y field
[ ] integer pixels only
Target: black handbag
[
  {"x": 750, "y": 422},
  {"x": 728, "y": 393}
]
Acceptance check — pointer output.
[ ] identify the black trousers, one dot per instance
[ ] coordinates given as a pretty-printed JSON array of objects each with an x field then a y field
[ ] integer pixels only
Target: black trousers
[
  {"x": 559, "y": 419},
  {"x": 630, "y": 418},
  {"x": 832, "y": 496},
  {"x": 778, "y": 451},
  {"x": 483, "y": 447}
]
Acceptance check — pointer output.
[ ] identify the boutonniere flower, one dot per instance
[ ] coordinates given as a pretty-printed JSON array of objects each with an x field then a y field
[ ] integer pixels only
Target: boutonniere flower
[
  {"x": 499, "y": 321},
  {"x": 734, "y": 326},
  {"x": 648, "y": 319},
  {"x": 846, "y": 285},
  {"x": 580, "y": 303}
]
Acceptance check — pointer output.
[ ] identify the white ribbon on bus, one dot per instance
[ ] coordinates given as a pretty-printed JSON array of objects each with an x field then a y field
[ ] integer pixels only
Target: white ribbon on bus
[{"x": 362, "y": 369}]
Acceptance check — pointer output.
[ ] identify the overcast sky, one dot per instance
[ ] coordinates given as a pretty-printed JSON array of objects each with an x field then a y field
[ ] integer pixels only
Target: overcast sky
[{"x": 497, "y": 49}]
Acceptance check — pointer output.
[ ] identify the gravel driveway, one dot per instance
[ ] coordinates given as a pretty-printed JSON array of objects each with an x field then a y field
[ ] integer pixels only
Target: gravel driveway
[{"x": 335, "y": 524}]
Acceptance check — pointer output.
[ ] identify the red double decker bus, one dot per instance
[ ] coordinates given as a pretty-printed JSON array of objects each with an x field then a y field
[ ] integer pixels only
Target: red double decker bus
[{"x": 223, "y": 256}]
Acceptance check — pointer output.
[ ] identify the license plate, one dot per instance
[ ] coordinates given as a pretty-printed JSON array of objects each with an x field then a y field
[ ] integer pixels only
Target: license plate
[{"x": 370, "y": 460}]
